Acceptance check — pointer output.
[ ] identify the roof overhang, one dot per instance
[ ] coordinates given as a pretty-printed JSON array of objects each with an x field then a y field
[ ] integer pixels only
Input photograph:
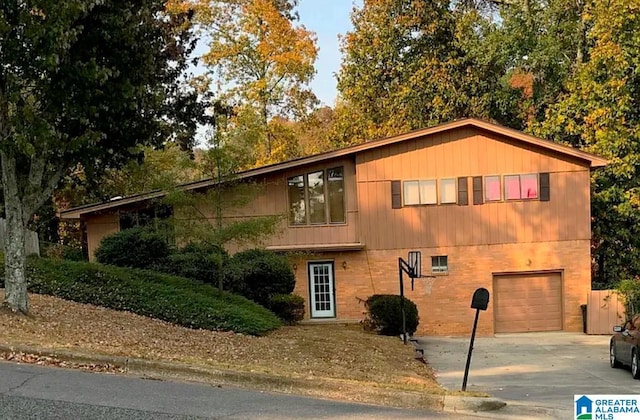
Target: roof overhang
[{"x": 590, "y": 160}]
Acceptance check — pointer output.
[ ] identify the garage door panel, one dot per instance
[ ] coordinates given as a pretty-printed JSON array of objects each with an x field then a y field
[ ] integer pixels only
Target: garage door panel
[{"x": 528, "y": 302}]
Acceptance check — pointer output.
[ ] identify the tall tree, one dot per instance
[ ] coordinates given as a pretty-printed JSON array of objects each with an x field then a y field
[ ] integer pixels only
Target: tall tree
[
  {"x": 541, "y": 42},
  {"x": 599, "y": 113},
  {"x": 404, "y": 67},
  {"x": 81, "y": 82},
  {"x": 262, "y": 64}
]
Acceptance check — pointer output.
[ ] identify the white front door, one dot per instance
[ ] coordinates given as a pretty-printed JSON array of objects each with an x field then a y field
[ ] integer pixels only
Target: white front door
[{"x": 321, "y": 289}]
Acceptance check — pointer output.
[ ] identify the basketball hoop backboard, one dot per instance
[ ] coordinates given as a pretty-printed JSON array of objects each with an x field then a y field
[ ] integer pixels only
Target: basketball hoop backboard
[{"x": 415, "y": 263}]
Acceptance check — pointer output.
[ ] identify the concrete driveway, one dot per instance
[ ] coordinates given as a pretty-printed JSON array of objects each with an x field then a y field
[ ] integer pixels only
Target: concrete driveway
[{"x": 537, "y": 374}]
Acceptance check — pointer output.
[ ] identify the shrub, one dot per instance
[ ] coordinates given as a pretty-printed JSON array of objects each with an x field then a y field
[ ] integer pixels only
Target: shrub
[
  {"x": 73, "y": 254},
  {"x": 197, "y": 261},
  {"x": 258, "y": 274},
  {"x": 629, "y": 290},
  {"x": 289, "y": 308},
  {"x": 385, "y": 316},
  {"x": 136, "y": 247},
  {"x": 174, "y": 299}
]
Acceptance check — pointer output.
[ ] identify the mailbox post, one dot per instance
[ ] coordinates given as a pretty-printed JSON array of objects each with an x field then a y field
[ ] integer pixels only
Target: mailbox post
[{"x": 479, "y": 302}]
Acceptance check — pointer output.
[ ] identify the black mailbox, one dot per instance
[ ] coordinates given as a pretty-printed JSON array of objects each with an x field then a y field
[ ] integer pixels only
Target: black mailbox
[{"x": 480, "y": 299}]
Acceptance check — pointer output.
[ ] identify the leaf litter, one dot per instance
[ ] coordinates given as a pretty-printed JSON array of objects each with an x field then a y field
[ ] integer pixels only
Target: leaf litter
[{"x": 337, "y": 351}]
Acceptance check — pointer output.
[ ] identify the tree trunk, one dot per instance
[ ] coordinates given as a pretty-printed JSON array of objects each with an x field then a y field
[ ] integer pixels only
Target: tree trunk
[{"x": 15, "y": 293}]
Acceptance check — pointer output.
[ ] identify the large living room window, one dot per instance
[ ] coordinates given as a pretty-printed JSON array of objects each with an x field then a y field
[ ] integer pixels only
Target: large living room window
[{"x": 317, "y": 197}]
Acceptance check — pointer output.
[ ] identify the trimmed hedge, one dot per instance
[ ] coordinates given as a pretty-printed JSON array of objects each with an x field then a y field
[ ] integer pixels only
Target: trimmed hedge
[
  {"x": 138, "y": 247},
  {"x": 173, "y": 299},
  {"x": 259, "y": 274},
  {"x": 385, "y": 317},
  {"x": 197, "y": 261},
  {"x": 289, "y": 308}
]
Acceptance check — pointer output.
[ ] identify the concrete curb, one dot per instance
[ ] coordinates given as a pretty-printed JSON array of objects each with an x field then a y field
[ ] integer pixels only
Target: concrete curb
[
  {"x": 355, "y": 391},
  {"x": 456, "y": 403}
]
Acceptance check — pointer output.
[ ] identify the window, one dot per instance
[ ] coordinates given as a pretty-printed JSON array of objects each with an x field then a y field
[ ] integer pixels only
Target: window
[
  {"x": 297, "y": 204},
  {"x": 439, "y": 264},
  {"x": 155, "y": 216},
  {"x": 315, "y": 187},
  {"x": 335, "y": 187},
  {"x": 420, "y": 192},
  {"x": 492, "y": 188},
  {"x": 521, "y": 187},
  {"x": 317, "y": 197},
  {"x": 448, "y": 191}
]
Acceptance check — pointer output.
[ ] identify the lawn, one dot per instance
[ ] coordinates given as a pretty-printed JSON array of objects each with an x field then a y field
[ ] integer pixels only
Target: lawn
[{"x": 312, "y": 352}]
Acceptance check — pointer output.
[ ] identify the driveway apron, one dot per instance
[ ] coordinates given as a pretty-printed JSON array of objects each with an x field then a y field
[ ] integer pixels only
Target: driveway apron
[{"x": 537, "y": 374}]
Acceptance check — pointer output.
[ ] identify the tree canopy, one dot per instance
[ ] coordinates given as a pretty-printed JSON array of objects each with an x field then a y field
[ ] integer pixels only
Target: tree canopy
[
  {"x": 262, "y": 64},
  {"x": 81, "y": 84}
]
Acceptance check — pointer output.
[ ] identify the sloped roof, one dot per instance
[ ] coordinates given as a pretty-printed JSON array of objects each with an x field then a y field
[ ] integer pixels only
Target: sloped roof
[{"x": 589, "y": 159}]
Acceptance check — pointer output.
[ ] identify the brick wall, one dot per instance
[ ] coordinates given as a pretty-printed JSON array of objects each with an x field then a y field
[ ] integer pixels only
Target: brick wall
[{"x": 444, "y": 309}]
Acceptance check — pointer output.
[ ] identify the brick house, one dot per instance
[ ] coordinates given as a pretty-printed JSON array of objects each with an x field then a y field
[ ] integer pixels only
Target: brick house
[{"x": 487, "y": 206}]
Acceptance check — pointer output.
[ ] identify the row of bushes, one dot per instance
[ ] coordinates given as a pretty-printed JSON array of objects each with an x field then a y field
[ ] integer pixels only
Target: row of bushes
[
  {"x": 258, "y": 275},
  {"x": 261, "y": 276},
  {"x": 173, "y": 299}
]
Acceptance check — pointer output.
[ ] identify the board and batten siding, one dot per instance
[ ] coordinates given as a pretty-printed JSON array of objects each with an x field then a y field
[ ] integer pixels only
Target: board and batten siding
[
  {"x": 469, "y": 153},
  {"x": 271, "y": 198},
  {"x": 99, "y": 226}
]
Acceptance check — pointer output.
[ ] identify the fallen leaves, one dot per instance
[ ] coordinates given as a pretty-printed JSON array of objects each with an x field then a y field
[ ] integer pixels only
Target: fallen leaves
[
  {"x": 36, "y": 359},
  {"x": 317, "y": 351}
]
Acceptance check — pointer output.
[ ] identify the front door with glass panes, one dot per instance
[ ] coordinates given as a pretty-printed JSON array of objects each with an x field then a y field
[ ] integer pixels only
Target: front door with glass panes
[{"x": 321, "y": 289}]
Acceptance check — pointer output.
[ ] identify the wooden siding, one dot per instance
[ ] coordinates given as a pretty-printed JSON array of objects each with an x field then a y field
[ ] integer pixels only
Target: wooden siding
[
  {"x": 31, "y": 242},
  {"x": 271, "y": 199},
  {"x": 99, "y": 226},
  {"x": 469, "y": 153},
  {"x": 604, "y": 310}
]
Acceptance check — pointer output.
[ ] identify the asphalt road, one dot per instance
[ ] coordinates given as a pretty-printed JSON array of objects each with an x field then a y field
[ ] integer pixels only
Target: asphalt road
[{"x": 36, "y": 392}]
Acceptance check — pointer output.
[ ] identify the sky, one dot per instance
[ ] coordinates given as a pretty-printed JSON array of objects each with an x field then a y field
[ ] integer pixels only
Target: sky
[{"x": 327, "y": 18}]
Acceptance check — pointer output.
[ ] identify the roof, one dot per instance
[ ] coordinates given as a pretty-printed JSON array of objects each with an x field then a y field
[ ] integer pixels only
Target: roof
[{"x": 589, "y": 159}]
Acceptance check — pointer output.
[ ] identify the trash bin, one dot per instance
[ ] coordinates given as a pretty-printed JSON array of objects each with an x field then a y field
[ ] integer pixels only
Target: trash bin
[{"x": 584, "y": 318}]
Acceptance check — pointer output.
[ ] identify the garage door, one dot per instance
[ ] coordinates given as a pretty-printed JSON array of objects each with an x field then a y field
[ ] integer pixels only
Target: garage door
[{"x": 527, "y": 302}]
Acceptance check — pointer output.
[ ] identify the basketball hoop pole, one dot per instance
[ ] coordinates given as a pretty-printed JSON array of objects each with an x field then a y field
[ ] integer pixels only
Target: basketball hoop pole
[
  {"x": 412, "y": 268},
  {"x": 401, "y": 268}
]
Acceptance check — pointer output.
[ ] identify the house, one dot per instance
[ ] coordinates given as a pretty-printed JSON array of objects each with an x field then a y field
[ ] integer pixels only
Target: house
[{"x": 487, "y": 206}]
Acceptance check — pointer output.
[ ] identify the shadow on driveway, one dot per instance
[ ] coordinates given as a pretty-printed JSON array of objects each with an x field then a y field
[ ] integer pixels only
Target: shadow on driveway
[{"x": 533, "y": 372}]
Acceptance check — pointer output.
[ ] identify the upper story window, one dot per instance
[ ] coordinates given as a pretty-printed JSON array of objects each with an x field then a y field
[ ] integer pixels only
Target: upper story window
[
  {"x": 317, "y": 197},
  {"x": 420, "y": 192},
  {"x": 521, "y": 187},
  {"x": 448, "y": 191},
  {"x": 492, "y": 188},
  {"x": 482, "y": 189}
]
